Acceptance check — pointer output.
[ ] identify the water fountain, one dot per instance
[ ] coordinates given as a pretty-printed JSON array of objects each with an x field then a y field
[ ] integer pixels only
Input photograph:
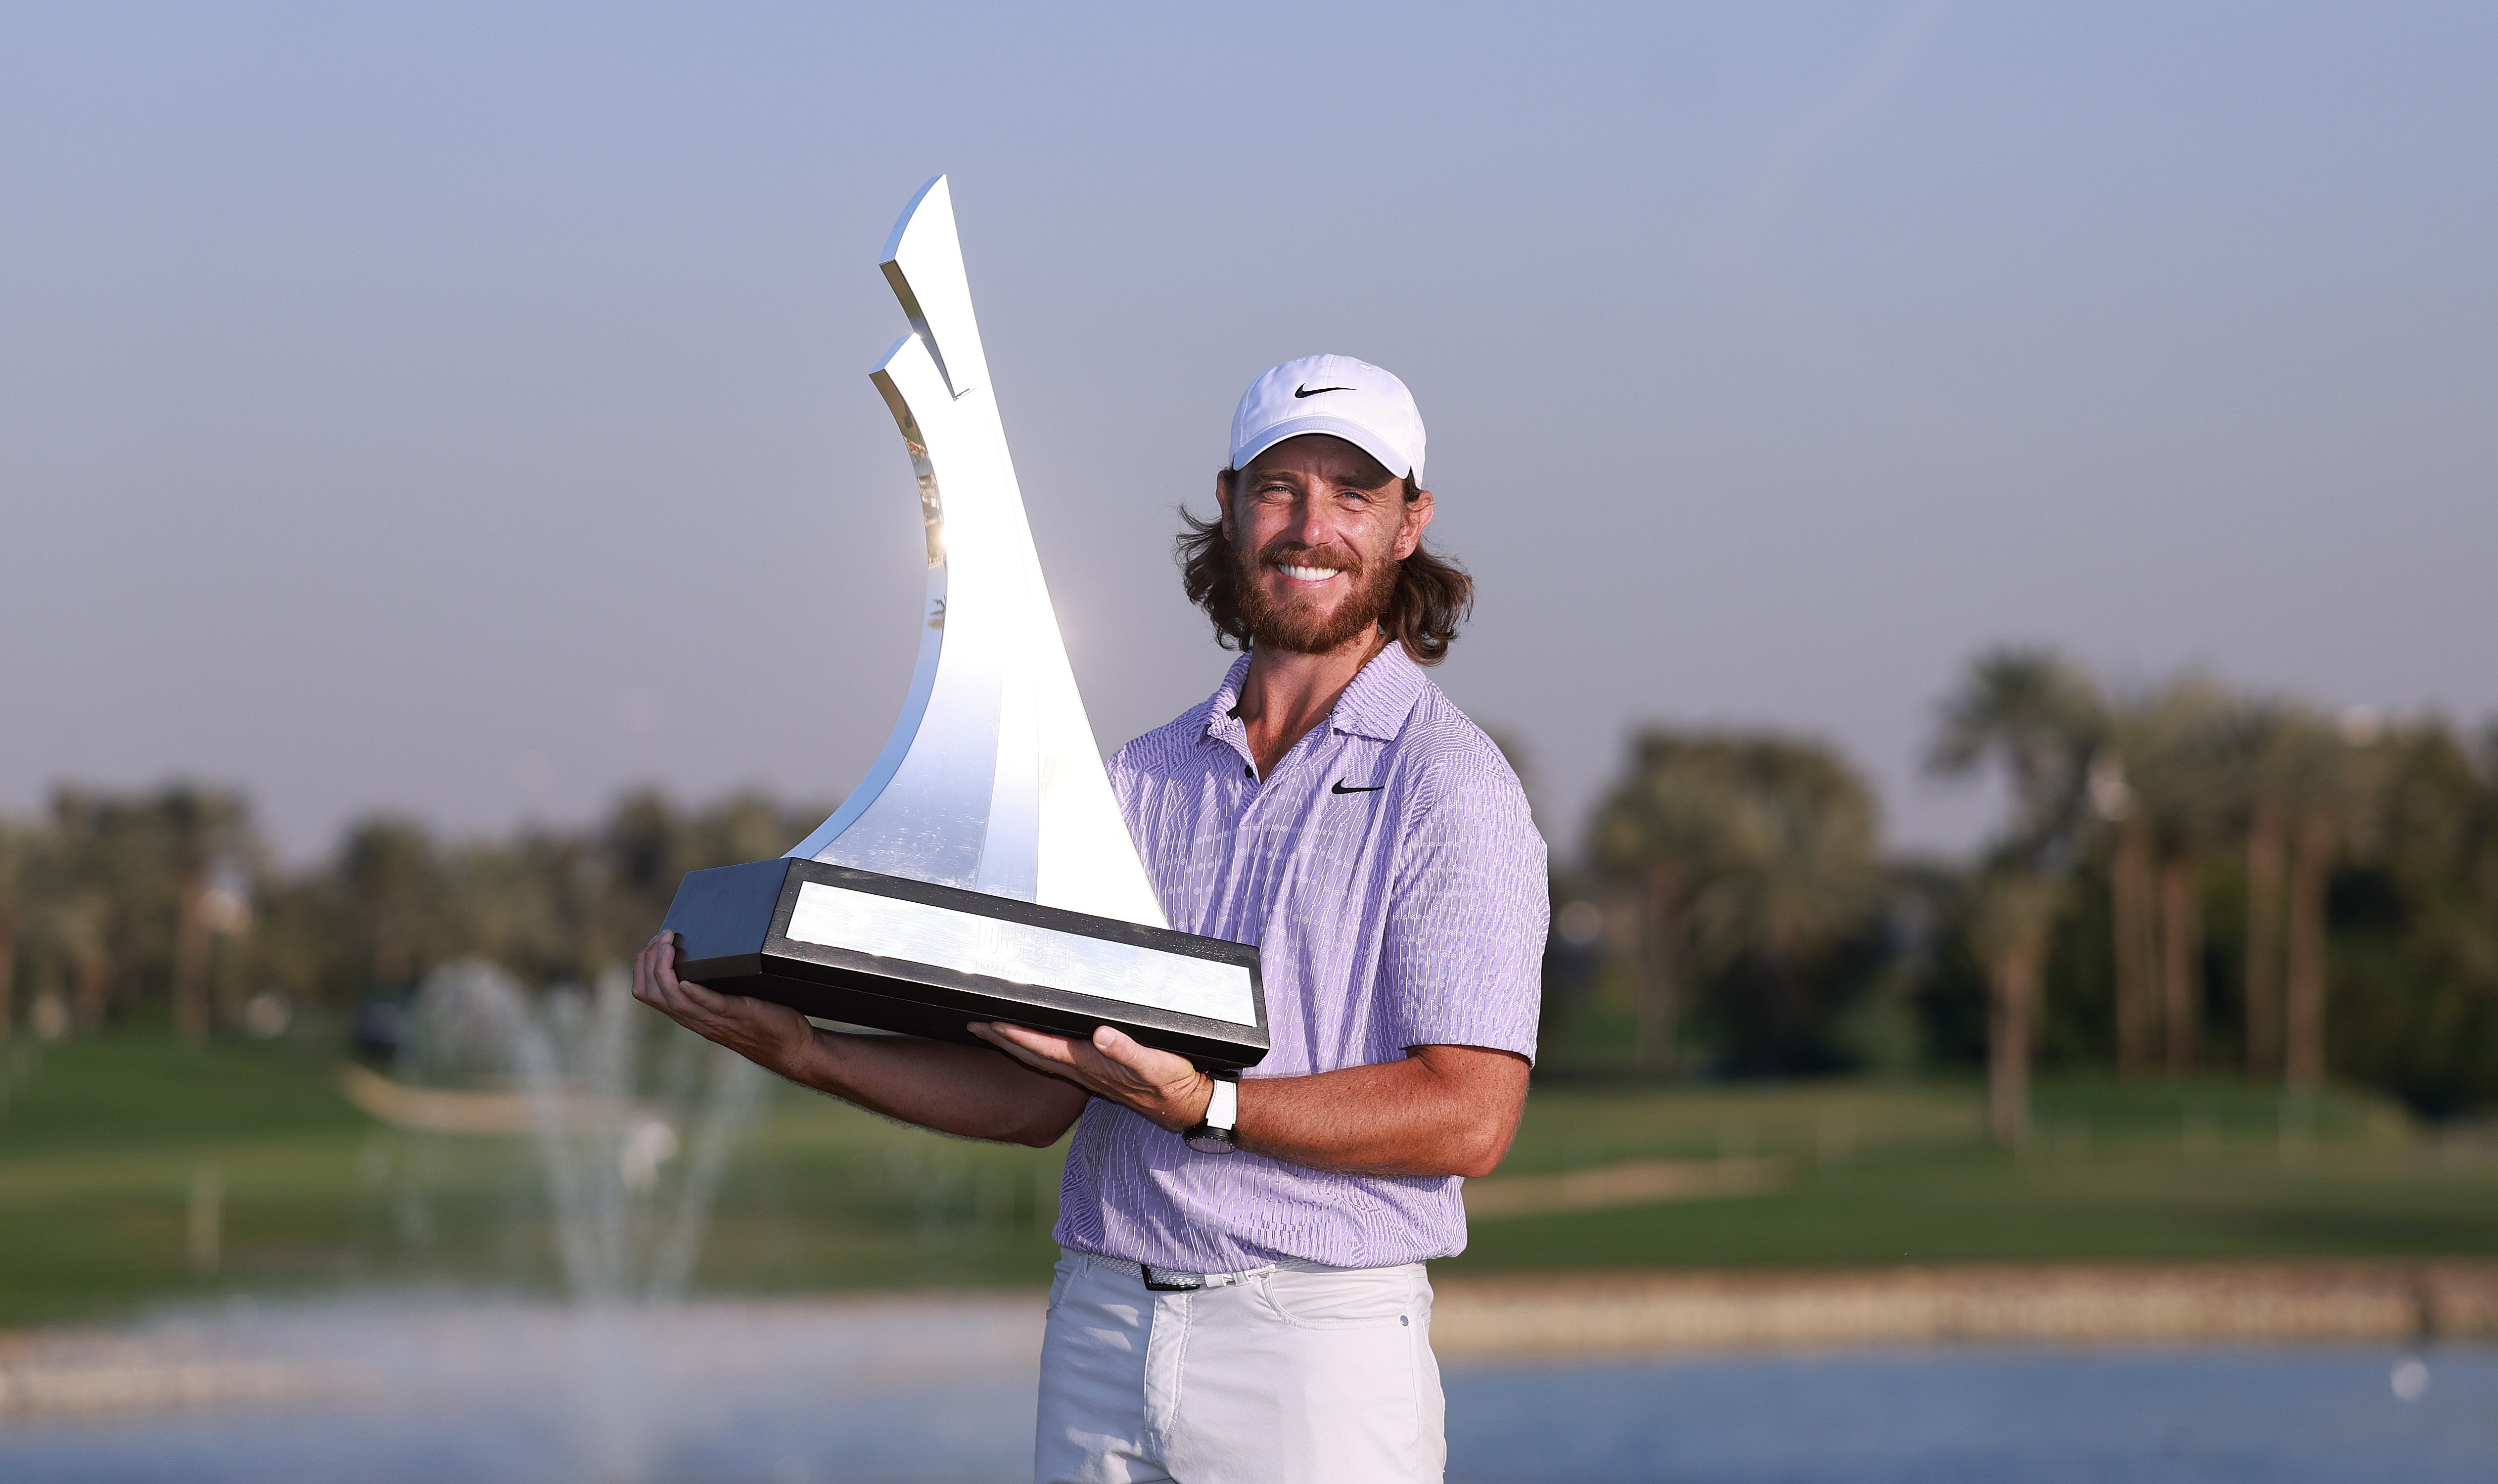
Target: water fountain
[
  {"x": 631, "y": 1140},
  {"x": 629, "y": 1125}
]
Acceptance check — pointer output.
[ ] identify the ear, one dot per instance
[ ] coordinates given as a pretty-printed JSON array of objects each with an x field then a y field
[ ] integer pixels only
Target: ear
[
  {"x": 1223, "y": 503},
  {"x": 1417, "y": 520}
]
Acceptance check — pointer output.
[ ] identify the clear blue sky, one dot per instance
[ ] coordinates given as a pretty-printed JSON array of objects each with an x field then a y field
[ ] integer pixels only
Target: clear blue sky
[{"x": 463, "y": 409}]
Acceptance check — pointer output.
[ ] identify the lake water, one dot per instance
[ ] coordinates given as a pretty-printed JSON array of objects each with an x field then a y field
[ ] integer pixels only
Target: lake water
[{"x": 940, "y": 1390}]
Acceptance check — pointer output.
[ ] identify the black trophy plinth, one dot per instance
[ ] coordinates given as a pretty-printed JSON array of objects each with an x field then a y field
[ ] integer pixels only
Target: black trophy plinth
[{"x": 907, "y": 955}]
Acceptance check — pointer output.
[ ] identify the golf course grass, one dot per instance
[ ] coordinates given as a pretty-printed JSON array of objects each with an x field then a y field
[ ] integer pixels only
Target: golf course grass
[{"x": 113, "y": 1152}]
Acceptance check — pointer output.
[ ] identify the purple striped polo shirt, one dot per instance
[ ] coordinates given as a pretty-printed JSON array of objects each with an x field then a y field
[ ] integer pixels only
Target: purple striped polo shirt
[{"x": 1408, "y": 912}]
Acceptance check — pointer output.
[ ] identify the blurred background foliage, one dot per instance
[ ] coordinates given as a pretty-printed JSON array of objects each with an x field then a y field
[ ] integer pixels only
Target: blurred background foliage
[
  {"x": 167, "y": 907},
  {"x": 2188, "y": 881}
]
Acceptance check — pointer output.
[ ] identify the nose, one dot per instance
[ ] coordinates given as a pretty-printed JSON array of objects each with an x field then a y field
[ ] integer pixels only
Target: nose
[{"x": 1312, "y": 524}]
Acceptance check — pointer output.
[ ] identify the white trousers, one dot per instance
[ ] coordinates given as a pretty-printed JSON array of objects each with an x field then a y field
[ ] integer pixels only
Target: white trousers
[{"x": 1291, "y": 1375}]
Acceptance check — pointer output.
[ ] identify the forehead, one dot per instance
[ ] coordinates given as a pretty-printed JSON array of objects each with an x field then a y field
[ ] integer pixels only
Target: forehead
[{"x": 1318, "y": 456}]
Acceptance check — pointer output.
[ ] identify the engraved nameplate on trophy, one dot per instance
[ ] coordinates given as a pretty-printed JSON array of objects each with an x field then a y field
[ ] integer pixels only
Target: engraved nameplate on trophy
[{"x": 981, "y": 871}]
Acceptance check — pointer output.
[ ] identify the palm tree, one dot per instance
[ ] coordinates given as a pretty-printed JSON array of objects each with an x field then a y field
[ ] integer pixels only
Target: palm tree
[
  {"x": 1737, "y": 847},
  {"x": 14, "y": 849},
  {"x": 394, "y": 885},
  {"x": 207, "y": 829},
  {"x": 75, "y": 920},
  {"x": 2172, "y": 746},
  {"x": 89, "y": 866},
  {"x": 1659, "y": 821},
  {"x": 2261, "y": 747},
  {"x": 2134, "y": 930},
  {"x": 2043, "y": 721},
  {"x": 2331, "y": 775},
  {"x": 1793, "y": 868},
  {"x": 2133, "y": 920},
  {"x": 2011, "y": 921}
]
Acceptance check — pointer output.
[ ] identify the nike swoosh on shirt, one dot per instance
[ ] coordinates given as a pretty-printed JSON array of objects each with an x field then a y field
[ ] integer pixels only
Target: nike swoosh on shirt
[
  {"x": 1341, "y": 788},
  {"x": 1313, "y": 391}
]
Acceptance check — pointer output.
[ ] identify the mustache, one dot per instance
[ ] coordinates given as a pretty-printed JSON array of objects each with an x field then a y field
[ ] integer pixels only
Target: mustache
[{"x": 1336, "y": 559}]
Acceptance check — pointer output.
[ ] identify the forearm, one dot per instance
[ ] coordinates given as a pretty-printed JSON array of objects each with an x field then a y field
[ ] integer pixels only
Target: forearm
[
  {"x": 967, "y": 1090},
  {"x": 1443, "y": 1111}
]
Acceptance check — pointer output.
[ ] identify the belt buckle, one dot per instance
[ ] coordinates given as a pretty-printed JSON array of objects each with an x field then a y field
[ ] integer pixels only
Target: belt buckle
[{"x": 1156, "y": 1285}]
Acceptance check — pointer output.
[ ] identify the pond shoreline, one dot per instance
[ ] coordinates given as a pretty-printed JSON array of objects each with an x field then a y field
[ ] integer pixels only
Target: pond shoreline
[
  {"x": 1588, "y": 1313},
  {"x": 183, "y": 1362}
]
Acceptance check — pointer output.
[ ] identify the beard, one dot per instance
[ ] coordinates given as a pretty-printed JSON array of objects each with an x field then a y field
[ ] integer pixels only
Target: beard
[{"x": 1299, "y": 624}]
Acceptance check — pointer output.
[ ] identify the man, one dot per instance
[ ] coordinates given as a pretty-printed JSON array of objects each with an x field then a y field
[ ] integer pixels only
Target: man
[{"x": 1241, "y": 1295}]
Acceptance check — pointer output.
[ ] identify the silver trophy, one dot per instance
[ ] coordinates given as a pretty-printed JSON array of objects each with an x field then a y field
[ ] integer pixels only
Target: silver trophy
[{"x": 981, "y": 871}]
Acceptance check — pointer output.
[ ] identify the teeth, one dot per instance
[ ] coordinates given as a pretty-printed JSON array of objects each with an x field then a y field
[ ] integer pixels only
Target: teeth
[{"x": 1309, "y": 573}]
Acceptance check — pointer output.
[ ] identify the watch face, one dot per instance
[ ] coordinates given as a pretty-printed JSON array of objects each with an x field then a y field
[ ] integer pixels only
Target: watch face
[{"x": 1211, "y": 1142}]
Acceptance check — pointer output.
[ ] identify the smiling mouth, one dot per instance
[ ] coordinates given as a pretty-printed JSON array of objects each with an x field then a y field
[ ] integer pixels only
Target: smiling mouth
[{"x": 1307, "y": 573}]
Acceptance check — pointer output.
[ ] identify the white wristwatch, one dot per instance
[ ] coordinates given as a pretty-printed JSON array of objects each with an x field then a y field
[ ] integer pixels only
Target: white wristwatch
[{"x": 1212, "y": 1134}]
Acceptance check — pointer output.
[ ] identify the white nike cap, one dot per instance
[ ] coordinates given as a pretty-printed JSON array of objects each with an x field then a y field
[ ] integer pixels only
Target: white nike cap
[{"x": 1352, "y": 399}]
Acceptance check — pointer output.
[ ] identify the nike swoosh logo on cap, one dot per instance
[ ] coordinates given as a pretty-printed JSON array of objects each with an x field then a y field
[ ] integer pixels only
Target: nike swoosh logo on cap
[
  {"x": 1341, "y": 788},
  {"x": 1313, "y": 391}
]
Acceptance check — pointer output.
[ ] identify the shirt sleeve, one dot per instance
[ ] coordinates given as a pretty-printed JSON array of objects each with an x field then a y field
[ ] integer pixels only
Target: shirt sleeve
[{"x": 1462, "y": 962}]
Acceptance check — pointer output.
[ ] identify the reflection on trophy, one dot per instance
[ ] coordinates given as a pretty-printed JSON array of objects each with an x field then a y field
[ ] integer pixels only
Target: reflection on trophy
[{"x": 982, "y": 870}]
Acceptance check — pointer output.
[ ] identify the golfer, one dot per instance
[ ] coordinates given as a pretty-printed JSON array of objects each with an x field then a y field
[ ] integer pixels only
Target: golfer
[{"x": 1241, "y": 1295}]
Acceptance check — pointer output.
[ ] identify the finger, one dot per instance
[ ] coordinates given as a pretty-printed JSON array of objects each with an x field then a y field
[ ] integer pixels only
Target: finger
[
  {"x": 1133, "y": 1057},
  {"x": 648, "y": 986},
  {"x": 1024, "y": 1056},
  {"x": 663, "y": 969},
  {"x": 663, "y": 983},
  {"x": 1043, "y": 1056},
  {"x": 668, "y": 993},
  {"x": 724, "y": 1006},
  {"x": 1033, "y": 1050},
  {"x": 1059, "y": 1048}
]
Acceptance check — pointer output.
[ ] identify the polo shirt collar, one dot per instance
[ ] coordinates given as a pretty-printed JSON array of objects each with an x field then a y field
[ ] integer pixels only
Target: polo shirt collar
[
  {"x": 1380, "y": 699},
  {"x": 1375, "y": 705}
]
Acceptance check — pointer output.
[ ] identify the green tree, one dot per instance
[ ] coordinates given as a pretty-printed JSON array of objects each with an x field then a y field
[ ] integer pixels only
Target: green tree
[
  {"x": 2012, "y": 920},
  {"x": 1650, "y": 834},
  {"x": 2261, "y": 746},
  {"x": 107, "y": 899},
  {"x": 2042, "y": 722},
  {"x": 1740, "y": 849},
  {"x": 2334, "y": 780},
  {"x": 394, "y": 892},
  {"x": 207, "y": 831},
  {"x": 15, "y": 846},
  {"x": 2172, "y": 747}
]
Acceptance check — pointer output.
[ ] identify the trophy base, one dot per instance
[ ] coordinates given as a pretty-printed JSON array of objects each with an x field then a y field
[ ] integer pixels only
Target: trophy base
[{"x": 896, "y": 955}]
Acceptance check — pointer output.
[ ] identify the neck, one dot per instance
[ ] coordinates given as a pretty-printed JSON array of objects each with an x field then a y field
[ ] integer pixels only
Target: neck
[{"x": 1285, "y": 694}]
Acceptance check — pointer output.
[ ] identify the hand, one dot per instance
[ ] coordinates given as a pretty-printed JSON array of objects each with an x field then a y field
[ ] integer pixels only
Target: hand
[
  {"x": 769, "y": 1035},
  {"x": 1165, "y": 1087}
]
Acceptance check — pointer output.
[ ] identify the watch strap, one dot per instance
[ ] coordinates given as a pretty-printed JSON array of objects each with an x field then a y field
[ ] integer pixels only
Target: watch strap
[{"x": 1212, "y": 1134}]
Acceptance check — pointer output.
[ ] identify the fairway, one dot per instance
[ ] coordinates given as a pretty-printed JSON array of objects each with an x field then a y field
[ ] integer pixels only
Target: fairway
[{"x": 101, "y": 1143}]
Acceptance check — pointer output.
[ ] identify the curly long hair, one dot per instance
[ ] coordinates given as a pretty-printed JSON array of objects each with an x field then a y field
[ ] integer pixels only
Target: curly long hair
[{"x": 1433, "y": 599}]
